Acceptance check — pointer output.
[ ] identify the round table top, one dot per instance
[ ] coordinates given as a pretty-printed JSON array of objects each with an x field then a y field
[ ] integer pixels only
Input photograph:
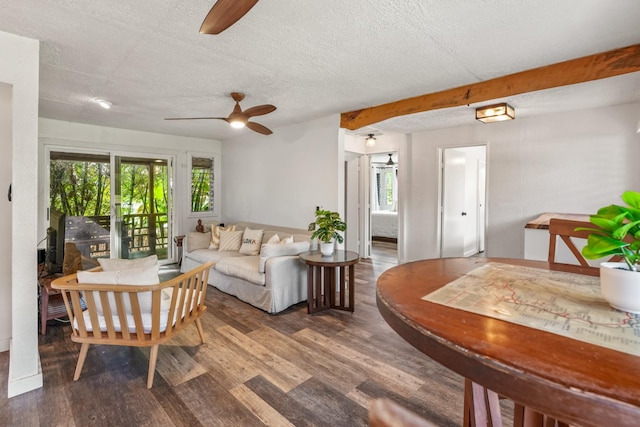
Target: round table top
[
  {"x": 339, "y": 258},
  {"x": 568, "y": 379}
]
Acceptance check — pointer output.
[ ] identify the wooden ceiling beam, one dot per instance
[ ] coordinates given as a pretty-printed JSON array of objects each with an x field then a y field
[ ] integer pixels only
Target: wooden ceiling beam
[{"x": 599, "y": 66}]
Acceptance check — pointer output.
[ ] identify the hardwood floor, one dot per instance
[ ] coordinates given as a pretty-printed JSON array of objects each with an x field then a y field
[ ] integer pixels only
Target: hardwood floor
[
  {"x": 384, "y": 251},
  {"x": 255, "y": 369}
]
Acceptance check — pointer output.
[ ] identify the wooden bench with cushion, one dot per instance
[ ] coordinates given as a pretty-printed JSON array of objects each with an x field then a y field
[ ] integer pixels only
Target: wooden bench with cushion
[{"x": 132, "y": 314}]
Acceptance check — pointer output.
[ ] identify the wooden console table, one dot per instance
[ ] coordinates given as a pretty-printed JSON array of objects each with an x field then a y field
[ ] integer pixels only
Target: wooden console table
[
  {"x": 321, "y": 280},
  {"x": 51, "y": 303}
]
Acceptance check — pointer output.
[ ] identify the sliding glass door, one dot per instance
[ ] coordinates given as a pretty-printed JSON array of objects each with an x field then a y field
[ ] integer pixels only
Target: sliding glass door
[
  {"x": 109, "y": 205},
  {"x": 141, "y": 205}
]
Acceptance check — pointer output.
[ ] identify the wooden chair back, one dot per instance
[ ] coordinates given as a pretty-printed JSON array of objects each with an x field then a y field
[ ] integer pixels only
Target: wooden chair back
[
  {"x": 117, "y": 324},
  {"x": 565, "y": 230}
]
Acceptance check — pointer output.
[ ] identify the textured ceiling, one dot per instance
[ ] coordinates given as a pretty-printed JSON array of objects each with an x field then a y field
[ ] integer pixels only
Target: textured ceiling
[{"x": 309, "y": 58}]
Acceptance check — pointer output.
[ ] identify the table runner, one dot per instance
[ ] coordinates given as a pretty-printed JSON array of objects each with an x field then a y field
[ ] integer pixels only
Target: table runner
[{"x": 562, "y": 303}]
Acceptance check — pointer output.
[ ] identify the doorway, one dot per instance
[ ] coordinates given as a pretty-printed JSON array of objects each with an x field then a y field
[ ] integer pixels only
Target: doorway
[
  {"x": 462, "y": 201},
  {"x": 384, "y": 207}
]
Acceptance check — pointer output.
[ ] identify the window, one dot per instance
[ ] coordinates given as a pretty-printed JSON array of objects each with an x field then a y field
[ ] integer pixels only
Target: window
[
  {"x": 385, "y": 193},
  {"x": 203, "y": 184}
]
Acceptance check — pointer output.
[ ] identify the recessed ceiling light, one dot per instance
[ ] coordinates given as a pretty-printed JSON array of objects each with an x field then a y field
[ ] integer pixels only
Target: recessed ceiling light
[{"x": 103, "y": 103}]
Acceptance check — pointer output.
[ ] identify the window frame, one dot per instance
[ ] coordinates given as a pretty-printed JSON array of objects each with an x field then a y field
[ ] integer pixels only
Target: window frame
[{"x": 215, "y": 158}]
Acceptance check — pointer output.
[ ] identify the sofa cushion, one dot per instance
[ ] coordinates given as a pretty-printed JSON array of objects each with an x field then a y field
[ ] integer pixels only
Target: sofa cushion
[
  {"x": 251, "y": 241},
  {"x": 215, "y": 235},
  {"x": 271, "y": 250},
  {"x": 196, "y": 240},
  {"x": 205, "y": 255},
  {"x": 113, "y": 264},
  {"x": 242, "y": 267},
  {"x": 230, "y": 240}
]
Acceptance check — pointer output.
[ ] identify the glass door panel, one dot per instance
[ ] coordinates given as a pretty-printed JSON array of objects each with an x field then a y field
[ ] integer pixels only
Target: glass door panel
[
  {"x": 141, "y": 207},
  {"x": 79, "y": 206}
]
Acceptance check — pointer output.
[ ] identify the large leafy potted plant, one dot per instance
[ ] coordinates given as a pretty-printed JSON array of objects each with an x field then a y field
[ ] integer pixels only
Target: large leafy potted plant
[
  {"x": 327, "y": 226},
  {"x": 618, "y": 234}
]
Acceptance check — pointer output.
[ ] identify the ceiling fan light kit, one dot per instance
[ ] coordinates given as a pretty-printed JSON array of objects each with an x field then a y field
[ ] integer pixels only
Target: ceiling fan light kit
[
  {"x": 237, "y": 124},
  {"x": 238, "y": 118},
  {"x": 495, "y": 113}
]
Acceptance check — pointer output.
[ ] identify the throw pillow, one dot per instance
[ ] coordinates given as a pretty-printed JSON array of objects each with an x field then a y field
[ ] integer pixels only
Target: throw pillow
[
  {"x": 197, "y": 240},
  {"x": 113, "y": 264},
  {"x": 276, "y": 239},
  {"x": 215, "y": 235},
  {"x": 230, "y": 240},
  {"x": 251, "y": 241}
]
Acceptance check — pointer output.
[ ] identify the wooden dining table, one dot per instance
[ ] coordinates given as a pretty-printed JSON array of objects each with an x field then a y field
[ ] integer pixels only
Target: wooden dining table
[{"x": 544, "y": 373}]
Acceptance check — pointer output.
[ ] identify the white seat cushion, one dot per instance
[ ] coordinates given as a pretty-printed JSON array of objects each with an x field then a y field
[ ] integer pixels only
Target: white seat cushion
[
  {"x": 243, "y": 267},
  {"x": 165, "y": 305}
]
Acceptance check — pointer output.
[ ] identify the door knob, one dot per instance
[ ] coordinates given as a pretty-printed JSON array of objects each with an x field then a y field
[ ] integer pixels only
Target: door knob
[{"x": 464, "y": 214}]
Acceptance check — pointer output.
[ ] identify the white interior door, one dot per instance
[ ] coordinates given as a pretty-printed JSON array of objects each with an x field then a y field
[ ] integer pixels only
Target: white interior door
[{"x": 453, "y": 203}]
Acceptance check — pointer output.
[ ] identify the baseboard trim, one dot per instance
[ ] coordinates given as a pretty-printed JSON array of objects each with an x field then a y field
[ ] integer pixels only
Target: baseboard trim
[{"x": 16, "y": 386}]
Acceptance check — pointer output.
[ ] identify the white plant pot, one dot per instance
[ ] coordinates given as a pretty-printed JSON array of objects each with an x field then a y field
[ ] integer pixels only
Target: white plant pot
[
  {"x": 326, "y": 248},
  {"x": 620, "y": 286}
]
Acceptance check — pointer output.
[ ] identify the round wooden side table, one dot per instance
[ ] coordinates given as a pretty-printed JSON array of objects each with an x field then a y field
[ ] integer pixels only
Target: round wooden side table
[{"x": 323, "y": 292}]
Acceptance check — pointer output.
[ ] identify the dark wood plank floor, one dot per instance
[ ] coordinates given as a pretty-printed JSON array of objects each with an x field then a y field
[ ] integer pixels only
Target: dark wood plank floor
[{"x": 255, "y": 369}]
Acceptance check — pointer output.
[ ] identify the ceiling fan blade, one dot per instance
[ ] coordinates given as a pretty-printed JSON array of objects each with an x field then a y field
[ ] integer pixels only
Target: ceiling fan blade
[
  {"x": 257, "y": 127},
  {"x": 259, "y": 110},
  {"x": 197, "y": 118},
  {"x": 224, "y": 14}
]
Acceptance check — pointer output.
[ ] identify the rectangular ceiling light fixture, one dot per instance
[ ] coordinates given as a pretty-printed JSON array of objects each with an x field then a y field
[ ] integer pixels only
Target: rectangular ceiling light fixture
[{"x": 495, "y": 113}]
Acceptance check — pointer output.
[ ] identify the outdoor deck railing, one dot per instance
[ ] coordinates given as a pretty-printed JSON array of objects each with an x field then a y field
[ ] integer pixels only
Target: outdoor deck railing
[{"x": 143, "y": 233}]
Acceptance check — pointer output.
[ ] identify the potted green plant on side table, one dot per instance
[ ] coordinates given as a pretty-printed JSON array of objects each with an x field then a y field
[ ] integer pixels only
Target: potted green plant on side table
[
  {"x": 327, "y": 226},
  {"x": 618, "y": 234}
]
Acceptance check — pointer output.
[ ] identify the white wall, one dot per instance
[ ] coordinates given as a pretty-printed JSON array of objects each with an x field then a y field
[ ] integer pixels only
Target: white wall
[
  {"x": 572, "y": 162},
  {"x": 280, "y": 179},
  {"x": 19, "y": 68},
  {"x": 58, "y": 133}
]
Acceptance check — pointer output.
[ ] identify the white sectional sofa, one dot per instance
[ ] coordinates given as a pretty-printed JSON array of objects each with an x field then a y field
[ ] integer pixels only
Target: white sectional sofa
[{"x": 272, "y": 280}]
